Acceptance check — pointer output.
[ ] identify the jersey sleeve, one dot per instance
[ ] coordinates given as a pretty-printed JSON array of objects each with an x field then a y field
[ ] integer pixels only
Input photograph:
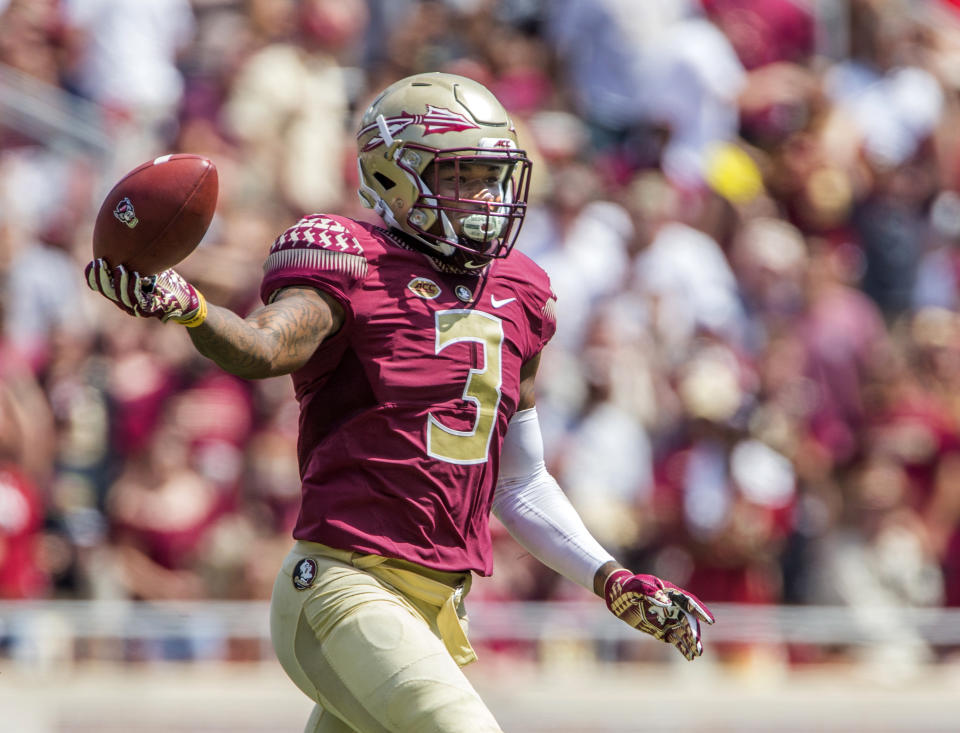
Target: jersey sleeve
[
  {"x": 320, "y": 251},
  {"x": 548, "y": 320},
  {"x": 539, "y": 300}
]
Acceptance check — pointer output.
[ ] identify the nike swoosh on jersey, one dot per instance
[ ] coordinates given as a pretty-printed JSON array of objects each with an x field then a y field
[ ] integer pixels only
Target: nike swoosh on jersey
[{"x": 500, "y": 303}]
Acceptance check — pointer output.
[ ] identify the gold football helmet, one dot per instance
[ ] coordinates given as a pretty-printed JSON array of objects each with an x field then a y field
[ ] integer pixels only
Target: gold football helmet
[{"x": 430, "y": 122}]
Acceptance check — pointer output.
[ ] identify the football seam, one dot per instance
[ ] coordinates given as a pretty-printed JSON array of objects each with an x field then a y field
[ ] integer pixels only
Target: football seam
[{"x": 187, "y": 200}]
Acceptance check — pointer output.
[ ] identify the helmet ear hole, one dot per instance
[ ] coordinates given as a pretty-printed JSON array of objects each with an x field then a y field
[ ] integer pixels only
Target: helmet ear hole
[{"x": 384, "y": 181}]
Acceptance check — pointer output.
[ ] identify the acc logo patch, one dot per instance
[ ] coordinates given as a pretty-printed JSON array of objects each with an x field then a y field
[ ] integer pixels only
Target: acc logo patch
[
  {"x": 424, "y": 287},
  {"x": 124, "y": 212},
  {"x": 304, "y": 573}
]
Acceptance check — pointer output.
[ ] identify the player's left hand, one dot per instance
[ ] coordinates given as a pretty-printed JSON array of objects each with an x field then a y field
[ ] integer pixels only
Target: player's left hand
[
  {"x": 166, "y": 296},
  {"x": 658, "y": 608}
]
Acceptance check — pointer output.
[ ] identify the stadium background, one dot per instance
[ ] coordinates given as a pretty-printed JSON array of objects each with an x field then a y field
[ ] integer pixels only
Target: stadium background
[{"x": 750, "y": 213}]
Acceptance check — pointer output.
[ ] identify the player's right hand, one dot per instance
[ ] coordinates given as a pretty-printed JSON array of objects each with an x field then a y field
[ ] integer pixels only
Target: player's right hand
[
  {"x": 166, "y": 296},
  {"x": 658, "y": 608}
]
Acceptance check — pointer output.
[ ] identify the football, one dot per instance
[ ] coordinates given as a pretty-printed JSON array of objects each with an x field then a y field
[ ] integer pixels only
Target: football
[{"x": 157, "y": 214}]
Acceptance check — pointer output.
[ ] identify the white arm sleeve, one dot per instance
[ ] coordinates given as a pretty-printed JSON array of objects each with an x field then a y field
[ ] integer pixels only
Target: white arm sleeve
[{"x": 533, "y": 508}]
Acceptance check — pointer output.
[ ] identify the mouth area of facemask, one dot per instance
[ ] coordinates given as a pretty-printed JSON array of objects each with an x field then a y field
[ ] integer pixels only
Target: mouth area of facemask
[{"x": 484, "y": 226}]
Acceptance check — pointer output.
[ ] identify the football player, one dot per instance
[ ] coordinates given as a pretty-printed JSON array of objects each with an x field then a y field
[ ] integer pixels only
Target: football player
[{"x": 413, "y": 349}]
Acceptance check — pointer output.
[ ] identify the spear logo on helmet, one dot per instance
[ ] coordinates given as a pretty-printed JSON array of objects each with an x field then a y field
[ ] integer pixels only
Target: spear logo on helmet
[{"x": 436, "y": 121}]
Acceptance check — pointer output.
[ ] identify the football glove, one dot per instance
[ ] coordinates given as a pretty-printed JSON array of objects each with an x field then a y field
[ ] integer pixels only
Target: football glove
[
  {"x": 658, "y": 608},
  {"x": 166, "y": 296}
]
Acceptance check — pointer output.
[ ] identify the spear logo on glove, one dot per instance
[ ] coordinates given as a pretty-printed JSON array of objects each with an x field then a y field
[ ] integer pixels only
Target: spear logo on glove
[{"x": 658, "y": 608}]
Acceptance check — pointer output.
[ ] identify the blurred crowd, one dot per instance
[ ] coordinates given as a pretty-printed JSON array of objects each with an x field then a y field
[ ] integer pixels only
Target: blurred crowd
[{"x": 749, "y": 210}]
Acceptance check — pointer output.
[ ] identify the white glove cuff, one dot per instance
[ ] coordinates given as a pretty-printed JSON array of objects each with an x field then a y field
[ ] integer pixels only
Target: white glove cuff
[{"x": 533, "y": 508}]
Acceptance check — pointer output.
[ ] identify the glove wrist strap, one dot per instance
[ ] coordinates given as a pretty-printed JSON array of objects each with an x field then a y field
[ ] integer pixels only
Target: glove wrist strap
[
  {"x": 199, "y": 316},
  {"x": 616, "y": 572}
]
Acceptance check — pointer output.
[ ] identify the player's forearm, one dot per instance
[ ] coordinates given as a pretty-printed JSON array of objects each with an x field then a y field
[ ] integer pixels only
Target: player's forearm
[
  {"x": 540, "y": 517},
  {"x": 603, "y": 572},
  {"x": 276, "y": 339},
  {"x": 236, "y": 345},
  {"x": 537, "y": 513}
]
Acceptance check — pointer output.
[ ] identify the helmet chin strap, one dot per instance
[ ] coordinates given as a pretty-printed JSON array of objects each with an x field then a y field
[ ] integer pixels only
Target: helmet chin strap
[
  {"x": 442, "y": 247},
  {"x": 448, "y": 229},
  {"x": 467, "y": 227}
]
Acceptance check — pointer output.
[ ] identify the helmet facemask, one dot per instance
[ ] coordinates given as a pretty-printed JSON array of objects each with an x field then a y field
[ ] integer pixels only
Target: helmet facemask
[{"x": 472, "y": 200}]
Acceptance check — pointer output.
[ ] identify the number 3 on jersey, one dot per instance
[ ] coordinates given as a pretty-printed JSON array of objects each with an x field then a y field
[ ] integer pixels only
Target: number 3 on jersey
[{"x": 482, "y": 387}]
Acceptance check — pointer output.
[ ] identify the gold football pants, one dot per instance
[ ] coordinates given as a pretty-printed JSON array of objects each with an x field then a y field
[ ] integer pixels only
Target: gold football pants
[{"x": 377, "y": 643}]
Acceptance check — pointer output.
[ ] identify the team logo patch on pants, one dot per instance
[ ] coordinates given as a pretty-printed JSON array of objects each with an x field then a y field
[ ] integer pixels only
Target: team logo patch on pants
[{"x": 304, "y": 574}]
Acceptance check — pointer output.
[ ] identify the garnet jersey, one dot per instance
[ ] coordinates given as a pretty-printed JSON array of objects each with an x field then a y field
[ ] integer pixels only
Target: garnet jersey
[{"x": 404, "y": 409}]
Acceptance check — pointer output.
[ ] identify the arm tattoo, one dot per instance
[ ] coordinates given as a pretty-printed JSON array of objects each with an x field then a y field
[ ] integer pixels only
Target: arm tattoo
[{"x": 278, "y": 338}]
